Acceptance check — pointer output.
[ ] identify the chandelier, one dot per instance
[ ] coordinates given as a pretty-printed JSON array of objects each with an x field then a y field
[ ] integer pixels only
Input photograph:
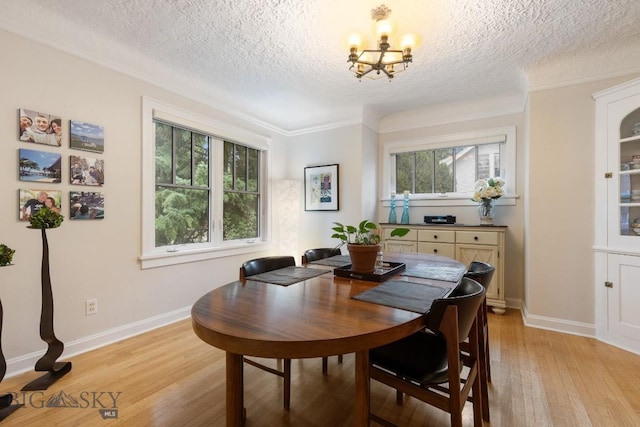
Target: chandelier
[{"x": 383, "y": 61}]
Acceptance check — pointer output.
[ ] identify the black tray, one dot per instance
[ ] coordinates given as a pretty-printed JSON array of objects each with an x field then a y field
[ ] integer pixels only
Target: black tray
[{"x": 389, "y": 270}]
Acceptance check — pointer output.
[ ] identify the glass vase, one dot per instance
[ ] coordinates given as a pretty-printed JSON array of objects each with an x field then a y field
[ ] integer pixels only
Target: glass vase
[
  {"x": 405, "y": 210},
  {"x": 392, "y": 210},
  {"x": 486, "y": 211}
]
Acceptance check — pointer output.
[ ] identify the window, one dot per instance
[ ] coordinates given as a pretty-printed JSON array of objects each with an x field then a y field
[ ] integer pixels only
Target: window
[
  {"x": 204, "y": 193},
  {"x": 447, "y": 167},
  {"x": 446, "y": 170},
  {"x": 241, "y": 192},
  {"x": 182, "y": 186}
]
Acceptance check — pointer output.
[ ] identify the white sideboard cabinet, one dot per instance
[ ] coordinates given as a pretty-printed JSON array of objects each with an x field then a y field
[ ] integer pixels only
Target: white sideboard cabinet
[
  {"x": 460, "y": 242},
  {"x": 617, "y": 210}
]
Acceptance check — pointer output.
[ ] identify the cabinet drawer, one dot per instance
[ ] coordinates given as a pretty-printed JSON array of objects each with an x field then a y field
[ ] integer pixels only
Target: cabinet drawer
[
  {"x": 444, "y": 249},
  {"x": 399, "y": 246},
  {"x": 477, "y": 237},
  {"x": 436, "y": 236},
  {"x": 411, "y": 235}
]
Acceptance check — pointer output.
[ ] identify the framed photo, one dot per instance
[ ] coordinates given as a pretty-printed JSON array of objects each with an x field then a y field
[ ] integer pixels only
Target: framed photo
[
  {"x": 321, "y": 188},
  {"x": 41, "y": 128},
  {"x": 86, "y": 205},
  {"x": 86, "y": 171},
  {"x": 32, "y": 200},
  {"x": 86, "y": 136},
  {"x": 39, "y": 166}
]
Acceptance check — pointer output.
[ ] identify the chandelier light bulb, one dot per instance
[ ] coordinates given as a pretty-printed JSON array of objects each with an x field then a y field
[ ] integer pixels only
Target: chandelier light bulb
[
  {"x": 384, "y": 27},
  {"x": 410, "y": 41},
  {"x": 355, "y": 40}
]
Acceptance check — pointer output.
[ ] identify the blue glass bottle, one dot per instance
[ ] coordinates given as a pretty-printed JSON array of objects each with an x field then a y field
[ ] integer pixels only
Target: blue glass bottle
[
  {"x": 392, "y": 209},
  {"x": 405, "y": 209}
]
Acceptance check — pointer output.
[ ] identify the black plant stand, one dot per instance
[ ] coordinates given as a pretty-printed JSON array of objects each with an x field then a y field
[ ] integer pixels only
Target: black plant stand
[
  {"x": 6, "y": 408},
  {"x": 47, "y": 363}
]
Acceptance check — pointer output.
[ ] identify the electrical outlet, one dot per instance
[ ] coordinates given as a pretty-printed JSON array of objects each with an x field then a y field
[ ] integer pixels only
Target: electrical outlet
[{"x": 91, "y": 307}]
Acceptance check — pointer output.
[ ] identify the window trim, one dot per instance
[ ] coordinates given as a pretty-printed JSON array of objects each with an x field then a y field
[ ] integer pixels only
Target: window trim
[
  {"x": 482, "y": 136},
  {"x": 156, "y": 257}
]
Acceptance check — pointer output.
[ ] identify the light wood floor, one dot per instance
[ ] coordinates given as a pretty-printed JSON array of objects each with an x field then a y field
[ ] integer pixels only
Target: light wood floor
[{"x": 169, "y": 377}]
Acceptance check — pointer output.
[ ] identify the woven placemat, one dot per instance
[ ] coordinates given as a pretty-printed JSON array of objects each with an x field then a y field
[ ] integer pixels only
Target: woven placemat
[
  {"x": 288, "y": 275},
  {"x": 448, "y": 272},
  {"x": 411, "y": 296},
  {"x": 334, "y": 261}
]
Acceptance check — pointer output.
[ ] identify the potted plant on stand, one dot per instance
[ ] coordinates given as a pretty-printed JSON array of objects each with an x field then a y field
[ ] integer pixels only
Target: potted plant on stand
[
  {"x": 42, "y": 220},
  {"x": 363, "y": 243}
]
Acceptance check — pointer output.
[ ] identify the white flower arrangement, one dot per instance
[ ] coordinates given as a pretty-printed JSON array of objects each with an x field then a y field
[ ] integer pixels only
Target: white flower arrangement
[{"x": 488, "y": 189}]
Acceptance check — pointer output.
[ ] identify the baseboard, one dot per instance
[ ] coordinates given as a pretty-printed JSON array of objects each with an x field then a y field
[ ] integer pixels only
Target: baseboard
[
  {"x": 25, "y": 363},
  {"x": 558, "y": 325}
]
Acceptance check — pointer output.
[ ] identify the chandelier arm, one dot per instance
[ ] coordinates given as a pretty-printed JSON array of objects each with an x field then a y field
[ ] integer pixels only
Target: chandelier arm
[{"x": 366, "y": 72}]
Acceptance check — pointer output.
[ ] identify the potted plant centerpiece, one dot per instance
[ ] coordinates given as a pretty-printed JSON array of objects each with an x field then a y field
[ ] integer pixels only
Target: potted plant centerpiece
[{"x": 363, "y": 243}]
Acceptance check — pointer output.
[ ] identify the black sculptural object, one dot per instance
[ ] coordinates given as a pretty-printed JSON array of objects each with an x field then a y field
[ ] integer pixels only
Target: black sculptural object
[{"x": 47, "y": 363}]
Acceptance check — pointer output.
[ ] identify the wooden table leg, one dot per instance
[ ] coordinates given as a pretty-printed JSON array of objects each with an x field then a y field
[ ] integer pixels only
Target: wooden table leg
[
  {"x": 235, "y": 390},
  {"x": 362, "y": 389}
]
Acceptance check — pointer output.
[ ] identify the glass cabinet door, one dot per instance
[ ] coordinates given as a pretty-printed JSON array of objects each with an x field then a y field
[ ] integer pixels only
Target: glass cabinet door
[{"x": 629, "y": 182}]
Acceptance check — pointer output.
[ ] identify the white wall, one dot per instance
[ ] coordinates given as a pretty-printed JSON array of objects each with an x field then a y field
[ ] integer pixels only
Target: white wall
[{"x": 90, "y": 259}]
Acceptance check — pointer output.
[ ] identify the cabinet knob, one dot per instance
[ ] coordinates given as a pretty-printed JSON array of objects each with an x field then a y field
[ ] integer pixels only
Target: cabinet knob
[
  {"x": 435, "y": 236},
  {"x": 475, "y": 237},
  {"x": 435, "y": 251}
]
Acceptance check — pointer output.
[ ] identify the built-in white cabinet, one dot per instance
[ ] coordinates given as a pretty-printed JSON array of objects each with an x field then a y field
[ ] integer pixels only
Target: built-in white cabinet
[
  {"x": 617, "y": 210},
  {"x": 463, "y": 243}
]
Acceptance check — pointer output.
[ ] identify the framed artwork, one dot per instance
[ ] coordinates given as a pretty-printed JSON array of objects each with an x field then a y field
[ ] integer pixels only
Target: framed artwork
[
  {"x": 321, "y": 188},
  {"x": 39, "y": 166},
  {"x": 86, "y": 205},
  {"x": 31, "y": 201},
  {"x": 38, "y": 127},
  {"x": 86, "y": 136},
  {"x": 86, "y": 171}
]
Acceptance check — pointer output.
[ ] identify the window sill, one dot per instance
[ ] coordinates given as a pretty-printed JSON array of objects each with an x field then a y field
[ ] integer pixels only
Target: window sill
[
  {"x": 437, "y": 200},
  {"x": 163, "y": 259}
]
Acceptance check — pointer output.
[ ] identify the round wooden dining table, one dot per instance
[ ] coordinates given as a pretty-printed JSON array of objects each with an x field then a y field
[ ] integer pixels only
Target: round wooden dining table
[{"x": 313, "y": 318}]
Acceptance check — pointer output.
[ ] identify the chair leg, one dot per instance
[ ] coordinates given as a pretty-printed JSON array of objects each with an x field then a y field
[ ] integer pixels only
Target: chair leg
[
  {"x": 478, "y": 403},
  {"x": 287, "y": 383},
  {"x": 485, "y": 333},
  {"x": 399, "y": 398},
  {"x": 325, "y": 365},
  {"x": 339, "y": 358},
  {"x": 483, "y": 363}
]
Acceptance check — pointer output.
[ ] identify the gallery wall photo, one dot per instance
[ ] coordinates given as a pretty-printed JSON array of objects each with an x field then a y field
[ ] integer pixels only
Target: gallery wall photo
[
  {"x": 86, "y": 136},
  {"x": 31, "y": 200},
  {"x": 39, "y": 166},
  {"x": 40, "y": 128}
]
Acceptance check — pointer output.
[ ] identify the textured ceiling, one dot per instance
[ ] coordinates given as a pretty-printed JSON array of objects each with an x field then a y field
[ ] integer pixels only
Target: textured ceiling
[{"x": 283, "y": 62}]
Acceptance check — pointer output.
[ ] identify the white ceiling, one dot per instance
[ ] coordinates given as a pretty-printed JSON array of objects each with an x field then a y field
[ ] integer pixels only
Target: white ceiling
[{"x": 283, "y": 63}]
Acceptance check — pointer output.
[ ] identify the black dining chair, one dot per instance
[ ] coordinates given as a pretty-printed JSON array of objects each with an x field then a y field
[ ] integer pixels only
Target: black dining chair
[
  {"x": 262, "y": 265},
  {"x": 482, "y": 272},
  {"x": 311, "y": 255},
  {"x": 428, "y": 365}
]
